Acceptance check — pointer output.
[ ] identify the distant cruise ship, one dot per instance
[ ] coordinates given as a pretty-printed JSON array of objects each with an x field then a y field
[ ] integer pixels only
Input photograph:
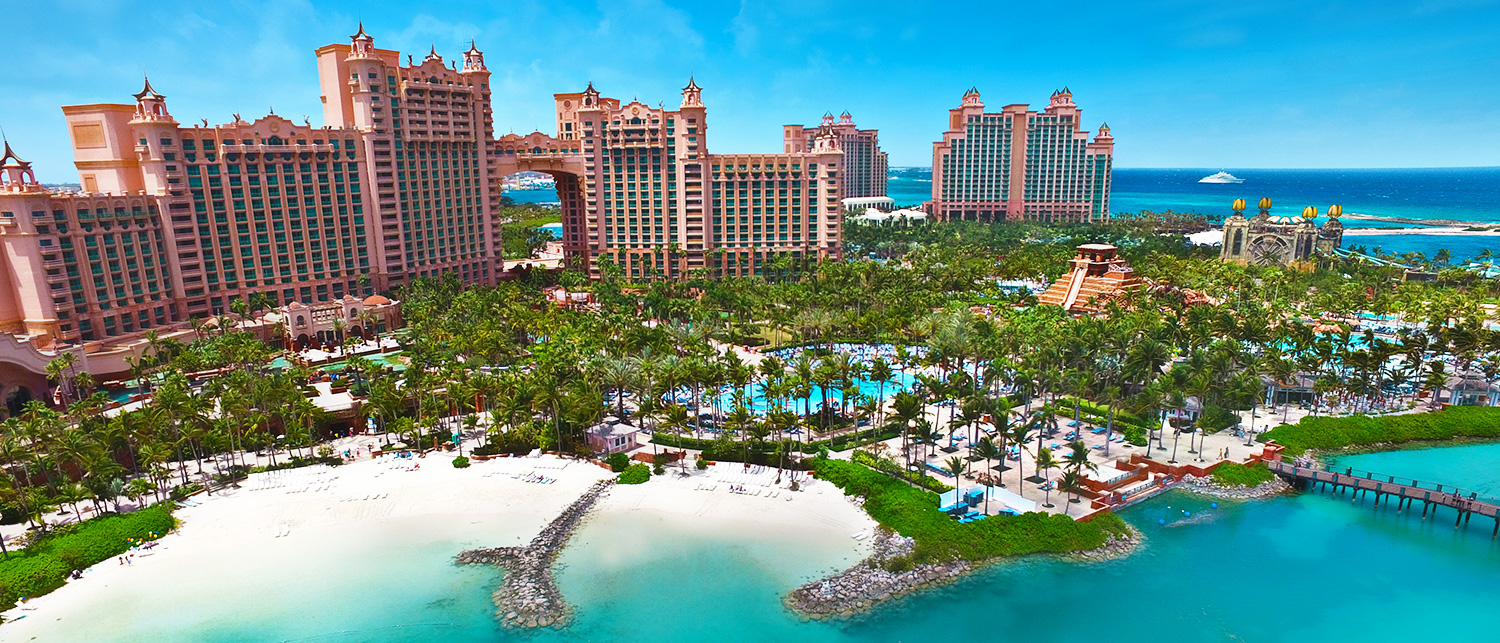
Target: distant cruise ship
[{"x": 1221, "y": 177}]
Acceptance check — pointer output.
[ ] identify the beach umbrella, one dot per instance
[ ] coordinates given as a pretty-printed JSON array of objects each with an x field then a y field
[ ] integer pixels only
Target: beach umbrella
[{"x": 399, "y": 445}]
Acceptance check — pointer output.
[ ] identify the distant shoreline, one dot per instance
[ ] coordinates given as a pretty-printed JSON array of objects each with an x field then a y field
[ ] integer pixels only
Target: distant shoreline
[{"x": 1361, "y": 232}]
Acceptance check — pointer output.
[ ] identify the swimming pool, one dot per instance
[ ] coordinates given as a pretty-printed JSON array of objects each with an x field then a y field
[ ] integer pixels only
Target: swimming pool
[{"x": 900, "y": 381}]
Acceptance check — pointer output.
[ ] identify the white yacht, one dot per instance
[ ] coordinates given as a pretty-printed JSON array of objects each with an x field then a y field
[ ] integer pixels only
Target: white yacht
[{"x": 1221, "y": 177}]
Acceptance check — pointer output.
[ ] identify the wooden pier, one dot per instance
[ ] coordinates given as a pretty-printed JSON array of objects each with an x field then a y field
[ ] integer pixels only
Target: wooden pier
[{"x": 1386, "y": 488}]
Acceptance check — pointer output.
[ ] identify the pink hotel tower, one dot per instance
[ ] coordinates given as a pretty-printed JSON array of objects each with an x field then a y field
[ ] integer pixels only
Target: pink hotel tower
[
  {"x": 1020, "y": 165},
  {"x": 175, "y": 222}
]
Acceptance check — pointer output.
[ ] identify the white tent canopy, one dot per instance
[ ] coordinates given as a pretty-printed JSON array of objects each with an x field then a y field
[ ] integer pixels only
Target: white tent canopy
[{"x": 997, "y": 495}]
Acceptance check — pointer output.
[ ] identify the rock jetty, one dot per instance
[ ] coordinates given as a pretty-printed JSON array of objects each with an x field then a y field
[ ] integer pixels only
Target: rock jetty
[
  {"x": 886, "y": 574},
  {"x": 529, "y": 598},
  {"x": 1113, "y": 548},
  {"x": 1208, "y": 486},
  {"x": 889, "y": 574}
]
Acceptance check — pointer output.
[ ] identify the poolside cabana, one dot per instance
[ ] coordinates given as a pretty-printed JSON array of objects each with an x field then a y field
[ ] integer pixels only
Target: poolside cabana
[
  {"x": 612, "y": 437},
  {"x": 1011, "y": 501},
  {"x": 1298, "y": 389},
  {"x": 1471, "y": 389},
  {"x": 962, "y": 502}
]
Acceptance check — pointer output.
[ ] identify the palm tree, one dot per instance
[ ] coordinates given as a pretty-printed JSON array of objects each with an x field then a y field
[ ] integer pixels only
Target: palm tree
[
  {"x": 1019, "y": 434},
  {"x": 986, "y": 449},
  {"x": 925, "y": 433},
  {"x": 955, "y": 465},
  {"x": 908, "y": 409},
  {"x": 1046, "y": 462},
  {"x": 1070, "y": 482},
  {"x": 1077, "y": 462},
  {"x": 677, "y": 421},
  {"x": 880, "y": 373}
]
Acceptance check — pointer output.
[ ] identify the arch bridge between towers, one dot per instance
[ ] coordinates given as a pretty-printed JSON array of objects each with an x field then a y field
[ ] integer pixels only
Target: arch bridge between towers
[{"x": 561, "y": 159}]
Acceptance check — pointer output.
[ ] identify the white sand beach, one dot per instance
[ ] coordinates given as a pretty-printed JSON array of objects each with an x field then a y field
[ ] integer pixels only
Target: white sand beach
[{"x": 277, "y": 550}]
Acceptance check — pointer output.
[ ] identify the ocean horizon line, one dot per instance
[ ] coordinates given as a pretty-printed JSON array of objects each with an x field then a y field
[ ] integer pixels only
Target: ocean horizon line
[{"x": 1274, "y": 169}]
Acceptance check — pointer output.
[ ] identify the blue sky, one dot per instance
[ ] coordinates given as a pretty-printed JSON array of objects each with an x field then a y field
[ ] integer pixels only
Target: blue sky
[{"x": 1193, "y": 83}]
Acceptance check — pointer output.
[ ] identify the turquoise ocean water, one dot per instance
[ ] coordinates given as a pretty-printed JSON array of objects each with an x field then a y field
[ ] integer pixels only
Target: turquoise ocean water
[
  {"x": 1307, "y": 566},
  {"x": 1461, "y": 194}
]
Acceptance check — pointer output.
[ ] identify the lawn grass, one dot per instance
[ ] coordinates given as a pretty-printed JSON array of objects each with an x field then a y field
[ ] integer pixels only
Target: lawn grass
[
  {"x": 914, "y": 513},
  {"x": 1233, "y": 474},
  {"x": 1325, "y": 433}
]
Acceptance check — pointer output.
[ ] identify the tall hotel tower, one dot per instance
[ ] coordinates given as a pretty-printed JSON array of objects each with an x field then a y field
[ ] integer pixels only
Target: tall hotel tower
[
  {"x": 1020, "y": 165},
  {"x": 639, "y": 188},
  {"x": 177, "y": 221},
  {"x": 864, "y": 169}
]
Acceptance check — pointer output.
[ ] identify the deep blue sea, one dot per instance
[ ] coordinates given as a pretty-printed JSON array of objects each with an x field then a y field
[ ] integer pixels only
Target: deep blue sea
[{"x": 1462, "y": 194}]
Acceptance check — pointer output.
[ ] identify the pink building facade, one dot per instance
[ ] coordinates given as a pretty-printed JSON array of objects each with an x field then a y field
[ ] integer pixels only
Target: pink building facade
[
  {"x": 1019, "y": 164},
  {"x": 641, "y": 191},
  {"x": 864, "y": 170},
  {"x": 177, "y": 220}
]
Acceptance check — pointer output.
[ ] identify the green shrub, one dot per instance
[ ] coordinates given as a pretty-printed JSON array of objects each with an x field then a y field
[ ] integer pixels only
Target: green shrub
[
  {"x": 894, "y": 470},
  {"x": 658, "y": 469},
  {"x": 702, "y": 464},
  {"x": 45, "y": 565},
  {"x": 729, "y": 449},
  {"x": 914, "y": 513},
  {"x": 516, "y": 441},
  {"x": 635, "y": 474},
  {"x": 298, "y": 462},
  {"x": 1325, "y": 433},
  {"x": 460, "y": 462},
  {"x": 1234, "y": 474},
  {"x": 30, "y": 577},
  {"x": 617, "y": 462},
  {"x": 178, "y": 493}
]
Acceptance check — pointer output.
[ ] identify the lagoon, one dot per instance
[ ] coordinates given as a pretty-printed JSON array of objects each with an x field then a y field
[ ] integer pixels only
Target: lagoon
[{"x": 1309, "y": 565}]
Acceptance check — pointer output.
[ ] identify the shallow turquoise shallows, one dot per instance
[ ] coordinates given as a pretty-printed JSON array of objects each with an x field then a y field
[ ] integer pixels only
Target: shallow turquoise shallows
[{"x": 1311, "y": 566}]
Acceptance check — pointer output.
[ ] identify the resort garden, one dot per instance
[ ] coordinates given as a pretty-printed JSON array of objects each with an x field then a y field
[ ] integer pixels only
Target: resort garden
[{"x": 910, "y": 348}]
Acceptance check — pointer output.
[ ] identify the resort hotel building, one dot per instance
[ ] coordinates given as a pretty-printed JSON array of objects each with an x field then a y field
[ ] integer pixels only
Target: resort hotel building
[
  {"x": 864, "y": 169},
  {"x": 640, "y": 189},
  {"x": 1018, "y": 164},
  {"x": 175, "y": 221}
]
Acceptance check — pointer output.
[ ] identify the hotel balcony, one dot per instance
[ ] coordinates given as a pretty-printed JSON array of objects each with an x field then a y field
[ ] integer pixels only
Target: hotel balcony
[{"x": 274, "y": 149}]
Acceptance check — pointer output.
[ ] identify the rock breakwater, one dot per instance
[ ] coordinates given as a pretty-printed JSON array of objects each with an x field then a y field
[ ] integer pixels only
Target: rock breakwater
[
  {"x": 1208, "y": 486},
  {"x": 529, "y": 596},
  {"x": 886, "y": 574}
]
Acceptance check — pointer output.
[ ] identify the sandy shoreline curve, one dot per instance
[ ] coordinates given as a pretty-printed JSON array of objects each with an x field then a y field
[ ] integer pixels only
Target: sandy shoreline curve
[{"x": 262, "y": 536}]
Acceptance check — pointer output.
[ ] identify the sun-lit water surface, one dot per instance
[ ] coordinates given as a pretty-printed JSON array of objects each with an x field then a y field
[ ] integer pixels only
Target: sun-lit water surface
[{"x": 1311, "y": 565}]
